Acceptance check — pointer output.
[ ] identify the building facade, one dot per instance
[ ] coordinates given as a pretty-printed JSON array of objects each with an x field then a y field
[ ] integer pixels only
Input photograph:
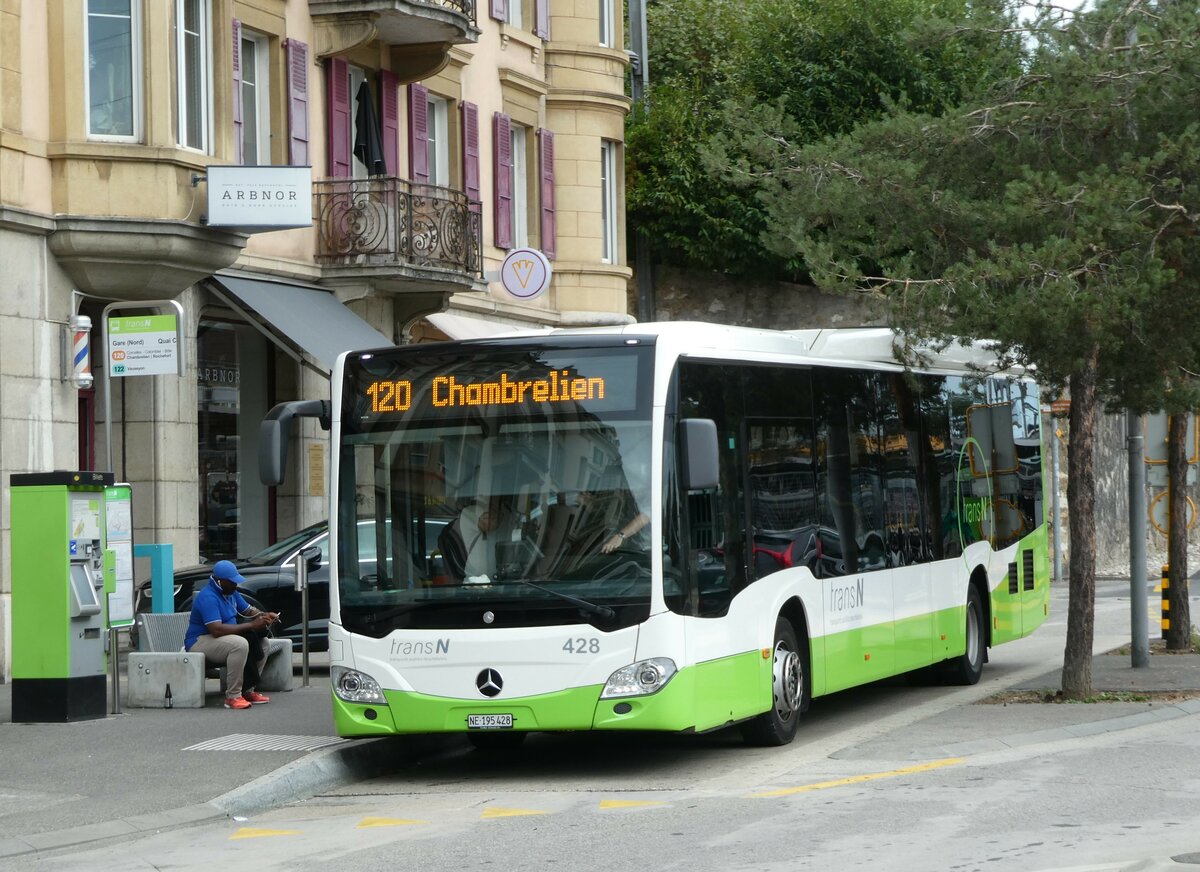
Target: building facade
[{"x": 439, "y": 135}]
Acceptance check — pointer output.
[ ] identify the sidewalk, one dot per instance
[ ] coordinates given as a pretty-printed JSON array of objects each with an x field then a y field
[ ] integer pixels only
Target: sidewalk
[
  {"x": 65, "y": 784},
  {"x": 1115, "y": 673}
]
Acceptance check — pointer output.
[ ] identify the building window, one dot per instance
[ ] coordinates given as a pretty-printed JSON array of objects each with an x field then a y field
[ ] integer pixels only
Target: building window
[
  {"x": 439, "y": 141},
  {"x": 358, "y": 77},
  {"x": 113, "y": 62},
  {"x": 607, "y": 28},
  {"x": 520, "y": 187},
  {"x": 514, "y": 14},
  {"x": 608, "y": 201},
  {"x": 256, "y": 100},
  {"x": 193, "y": 47}
]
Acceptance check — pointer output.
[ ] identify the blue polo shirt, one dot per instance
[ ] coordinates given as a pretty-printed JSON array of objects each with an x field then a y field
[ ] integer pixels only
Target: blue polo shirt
[{"x": 212, "y": 605}]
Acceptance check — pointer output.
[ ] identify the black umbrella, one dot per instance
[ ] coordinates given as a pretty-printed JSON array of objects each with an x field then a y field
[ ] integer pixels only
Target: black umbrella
[{"x": 368, "y": 141}]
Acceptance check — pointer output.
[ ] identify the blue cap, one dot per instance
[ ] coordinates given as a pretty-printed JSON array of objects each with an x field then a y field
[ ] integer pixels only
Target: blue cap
[{"x": 224, "y": 570}]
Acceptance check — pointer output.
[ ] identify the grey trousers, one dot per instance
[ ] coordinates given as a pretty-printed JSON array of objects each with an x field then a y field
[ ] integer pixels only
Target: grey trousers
[{"x": 233, "y": 652}]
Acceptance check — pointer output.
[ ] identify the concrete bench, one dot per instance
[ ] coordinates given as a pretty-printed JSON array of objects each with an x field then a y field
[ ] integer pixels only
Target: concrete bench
[{"x": 162, "y": 662}]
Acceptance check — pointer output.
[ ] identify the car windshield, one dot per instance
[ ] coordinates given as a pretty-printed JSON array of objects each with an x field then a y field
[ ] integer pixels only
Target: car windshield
[{"x": 515, "y": 484}]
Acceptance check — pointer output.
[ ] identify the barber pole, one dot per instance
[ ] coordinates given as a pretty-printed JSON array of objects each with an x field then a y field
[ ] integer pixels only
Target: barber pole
[{"x": 81, "y": 328}]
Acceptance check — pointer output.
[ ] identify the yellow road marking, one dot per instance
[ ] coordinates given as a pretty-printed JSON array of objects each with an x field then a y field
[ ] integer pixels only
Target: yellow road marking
[
  {"x": 367, "y": 823},
  {"x": 490, "y": 813},
  {"x": 253, "y": 833},
  {"x": 858, "y": 779},
  {"x": 627, "y": 803}
]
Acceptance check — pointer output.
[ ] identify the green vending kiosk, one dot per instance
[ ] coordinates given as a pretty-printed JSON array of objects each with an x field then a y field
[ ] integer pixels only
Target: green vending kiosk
[{"x": 59, "y": 580}]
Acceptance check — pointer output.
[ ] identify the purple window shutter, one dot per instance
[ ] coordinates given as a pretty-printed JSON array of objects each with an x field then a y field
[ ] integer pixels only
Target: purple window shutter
[
  {"x": 549, "y": 230},
  {"x": 418, "y": 132},
  {"x": 338, "y": 73},
  {"x": 541, "y": 26},
  {"x": 389, "y": 105},
  {"x": 239, "y": 147},
  {"x": 502, "y": 151},
  {"x": 470, "y": 126},
  {"x": 500, "y": 9},
  {"x": 297, "y": 84}
]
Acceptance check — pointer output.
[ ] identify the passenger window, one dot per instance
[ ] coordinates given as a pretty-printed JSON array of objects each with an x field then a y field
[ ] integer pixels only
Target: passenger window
[
  {"x": 782, "y": 483},
  {"x": 849, "y": 473}
]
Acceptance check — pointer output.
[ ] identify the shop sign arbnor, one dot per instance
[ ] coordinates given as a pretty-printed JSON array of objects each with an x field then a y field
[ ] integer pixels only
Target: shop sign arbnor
[{"x": 263, "y": 198}]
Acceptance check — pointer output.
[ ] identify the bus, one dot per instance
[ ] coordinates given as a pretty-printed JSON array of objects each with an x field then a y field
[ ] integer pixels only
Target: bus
[{"x": 673, "y": 527}]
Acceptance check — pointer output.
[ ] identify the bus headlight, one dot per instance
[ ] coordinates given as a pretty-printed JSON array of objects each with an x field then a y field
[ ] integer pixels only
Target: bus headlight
[
  {"x": 354, "y": 686},
  {"x": 640, "y": 679}
]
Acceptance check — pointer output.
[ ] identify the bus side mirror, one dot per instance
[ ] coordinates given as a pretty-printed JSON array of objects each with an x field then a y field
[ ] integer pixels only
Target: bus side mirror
[
  {"x": 698, "y": 448},
  {"x": 273, "y": 436}
]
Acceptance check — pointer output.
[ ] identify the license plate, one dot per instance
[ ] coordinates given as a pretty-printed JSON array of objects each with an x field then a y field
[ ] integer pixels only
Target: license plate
[{"x": 489, "y": 722}]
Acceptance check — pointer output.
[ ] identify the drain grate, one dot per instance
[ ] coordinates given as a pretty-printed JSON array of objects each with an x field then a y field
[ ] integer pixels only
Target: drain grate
[{"x": 253, "y": 742}]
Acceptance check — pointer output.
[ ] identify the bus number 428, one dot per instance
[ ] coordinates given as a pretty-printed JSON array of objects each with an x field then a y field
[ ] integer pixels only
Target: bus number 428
[{"x": 582, "y": 646}]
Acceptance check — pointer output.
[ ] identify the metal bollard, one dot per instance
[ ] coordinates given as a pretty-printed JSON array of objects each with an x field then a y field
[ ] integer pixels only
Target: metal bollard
[{"x": 1166, "y": 600}]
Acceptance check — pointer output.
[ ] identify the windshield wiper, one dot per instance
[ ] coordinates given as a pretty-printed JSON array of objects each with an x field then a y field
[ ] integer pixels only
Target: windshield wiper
[{"x": 590, "y": 608}]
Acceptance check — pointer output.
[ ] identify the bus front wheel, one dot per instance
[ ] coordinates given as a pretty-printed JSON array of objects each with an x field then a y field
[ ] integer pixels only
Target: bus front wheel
[
  {"x": 969, "y": 667},
  {"x": 789, "y": 668}
]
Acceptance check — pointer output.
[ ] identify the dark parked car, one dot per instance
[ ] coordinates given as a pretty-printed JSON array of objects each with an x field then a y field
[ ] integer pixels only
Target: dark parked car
[
  {"x": 271, "y": 581},
  {"x": 270, "y": 585}
]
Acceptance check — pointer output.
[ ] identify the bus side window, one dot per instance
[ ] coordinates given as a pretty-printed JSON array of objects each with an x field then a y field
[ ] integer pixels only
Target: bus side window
[
  {"x": 849, "y": 473},
  {"x": 1027, "y": 437},
  {"x": 937, "y": 469},
  {"x": 901, "y": 470},
  {"x": 781, "y": 481},
  {"x": 969, "y": 514}
]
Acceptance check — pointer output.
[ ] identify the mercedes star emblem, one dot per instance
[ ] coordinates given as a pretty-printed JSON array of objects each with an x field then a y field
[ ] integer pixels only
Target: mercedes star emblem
[{"x": 489, "y": 682}]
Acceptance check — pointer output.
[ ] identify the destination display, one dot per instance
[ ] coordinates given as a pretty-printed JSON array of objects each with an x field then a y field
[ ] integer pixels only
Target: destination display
[
  {"x": 597, "y": 382},
  {"x": 447, "y": 392}
]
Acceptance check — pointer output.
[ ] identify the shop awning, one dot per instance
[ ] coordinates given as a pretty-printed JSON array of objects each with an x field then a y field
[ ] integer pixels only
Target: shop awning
[
  {"x": 467, "y": 327},
  {"x": 305, "y": 317}
]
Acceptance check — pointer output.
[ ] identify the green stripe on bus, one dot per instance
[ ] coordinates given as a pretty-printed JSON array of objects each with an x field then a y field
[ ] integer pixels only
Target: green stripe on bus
[{"x": 702, "y": 697}]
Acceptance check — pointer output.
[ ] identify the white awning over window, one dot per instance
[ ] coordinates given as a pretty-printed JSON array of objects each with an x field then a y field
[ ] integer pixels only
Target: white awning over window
[{"x": 458, "y": 326}]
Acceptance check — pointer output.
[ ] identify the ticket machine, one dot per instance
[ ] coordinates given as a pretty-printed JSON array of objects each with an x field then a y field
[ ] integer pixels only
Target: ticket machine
[{"x": 60, "y": 574}]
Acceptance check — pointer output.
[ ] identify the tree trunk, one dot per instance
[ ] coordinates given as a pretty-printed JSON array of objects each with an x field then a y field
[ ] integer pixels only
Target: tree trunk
[
  {"x": 1081, "y": 497},
  {"x": 1180, "y": 630}
]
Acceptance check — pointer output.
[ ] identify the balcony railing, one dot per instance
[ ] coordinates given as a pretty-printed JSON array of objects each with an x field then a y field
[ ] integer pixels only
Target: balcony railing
[
  {"x": 466, "y": 7},
  {"x": 384, "y": 221},
  {"x": 385, "y": 13}
]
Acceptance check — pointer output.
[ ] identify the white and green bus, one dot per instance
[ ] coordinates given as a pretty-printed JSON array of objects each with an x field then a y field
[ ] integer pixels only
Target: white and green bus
[{"x": 675, "y": 527}]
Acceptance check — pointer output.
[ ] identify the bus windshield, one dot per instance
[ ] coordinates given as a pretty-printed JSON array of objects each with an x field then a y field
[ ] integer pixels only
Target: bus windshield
[{"x": 494, "y": 485}]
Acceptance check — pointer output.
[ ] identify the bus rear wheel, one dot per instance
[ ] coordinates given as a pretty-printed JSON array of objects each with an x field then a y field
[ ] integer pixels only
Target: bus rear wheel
[
  {"x": 969, "y": 667},
  {"x": 789, "y": 669}
]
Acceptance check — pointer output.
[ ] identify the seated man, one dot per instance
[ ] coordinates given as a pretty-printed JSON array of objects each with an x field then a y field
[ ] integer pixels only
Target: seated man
[{"x": 214, "y": 632}]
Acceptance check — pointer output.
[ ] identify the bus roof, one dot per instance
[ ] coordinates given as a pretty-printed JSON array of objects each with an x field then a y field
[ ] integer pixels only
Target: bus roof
[{"x": 850, "y": 346}]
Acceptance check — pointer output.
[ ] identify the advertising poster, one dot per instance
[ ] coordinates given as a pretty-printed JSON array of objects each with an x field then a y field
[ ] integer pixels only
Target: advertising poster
[{"x": 118, "y": 505}]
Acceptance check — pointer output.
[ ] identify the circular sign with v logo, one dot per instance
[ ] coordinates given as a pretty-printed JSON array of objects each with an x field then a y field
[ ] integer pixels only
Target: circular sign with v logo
[{"x": 525, "y": 273}]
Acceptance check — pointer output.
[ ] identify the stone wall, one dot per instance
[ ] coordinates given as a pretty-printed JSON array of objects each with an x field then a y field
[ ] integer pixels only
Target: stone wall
[{"x": 689, "y": 295}]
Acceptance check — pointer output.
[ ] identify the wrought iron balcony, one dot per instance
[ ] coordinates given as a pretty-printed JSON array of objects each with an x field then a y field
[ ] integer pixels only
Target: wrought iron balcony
[{"x": 384, "y": 221}]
